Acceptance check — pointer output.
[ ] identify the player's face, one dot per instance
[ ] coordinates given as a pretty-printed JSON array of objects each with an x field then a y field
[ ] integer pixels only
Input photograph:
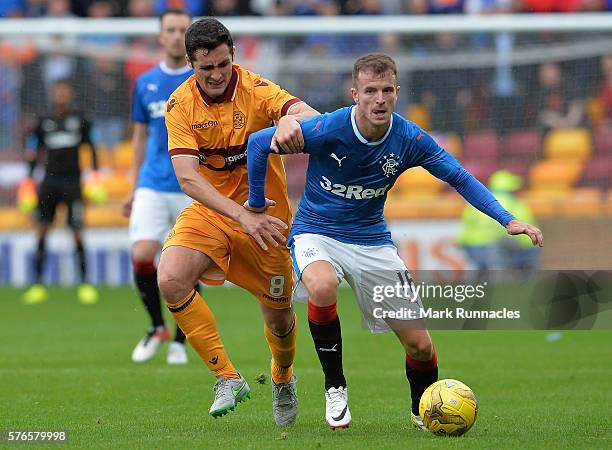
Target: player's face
[
  {"x": 172, "y": 34},
  {"x": 376, "y": 95},
  {"x": 61, "y": 95},
  {"x": 213, "y": 69}
]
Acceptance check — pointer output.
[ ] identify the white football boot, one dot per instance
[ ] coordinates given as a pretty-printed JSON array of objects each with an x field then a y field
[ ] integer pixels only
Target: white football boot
[
  {"x": 177, "y": 353},
  {"x": 149, "y": 344},
  {"x": 337, "y": 414},
  {"x": 417, "y": 422}
]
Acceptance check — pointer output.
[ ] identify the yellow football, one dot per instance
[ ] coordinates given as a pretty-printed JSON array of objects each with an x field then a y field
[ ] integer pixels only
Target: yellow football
[{"x": 448, "y": 408}]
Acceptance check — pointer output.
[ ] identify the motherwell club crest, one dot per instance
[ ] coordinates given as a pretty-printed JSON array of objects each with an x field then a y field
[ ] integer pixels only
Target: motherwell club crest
[{"x": 239, "y": 119}]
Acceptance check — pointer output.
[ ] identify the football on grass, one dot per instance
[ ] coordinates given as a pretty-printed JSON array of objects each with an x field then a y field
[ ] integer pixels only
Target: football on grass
[{"x": 448, "y": 408}]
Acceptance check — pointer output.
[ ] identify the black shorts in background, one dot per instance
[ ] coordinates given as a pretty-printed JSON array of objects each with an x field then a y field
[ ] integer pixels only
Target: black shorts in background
[{"x": 52, "y": 192}]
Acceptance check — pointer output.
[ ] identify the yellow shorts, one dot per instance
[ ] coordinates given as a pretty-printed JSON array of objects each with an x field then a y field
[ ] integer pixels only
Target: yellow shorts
[{"x": 237, "y": 257}]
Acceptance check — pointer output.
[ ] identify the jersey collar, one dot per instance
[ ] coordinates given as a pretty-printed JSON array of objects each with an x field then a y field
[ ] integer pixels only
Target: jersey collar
[
  {"x": 230, "y": 92},
  {"x": 168, "y": 71},
  {"x": 362, "y": 139}
]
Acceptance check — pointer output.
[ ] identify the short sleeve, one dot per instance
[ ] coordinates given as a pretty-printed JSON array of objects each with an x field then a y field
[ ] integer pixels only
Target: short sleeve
[
  {"x": 181, "y": 140},
  {"x": 139, "y": 111},
  {"x": 276, "y": 101}
]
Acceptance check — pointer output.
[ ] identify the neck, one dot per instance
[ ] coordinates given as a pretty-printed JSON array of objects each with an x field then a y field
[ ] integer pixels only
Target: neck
[
  {"x": 174, "y": 63},
  {"x": 60, "y": 110},
  {"x": 367, "y": 129}
]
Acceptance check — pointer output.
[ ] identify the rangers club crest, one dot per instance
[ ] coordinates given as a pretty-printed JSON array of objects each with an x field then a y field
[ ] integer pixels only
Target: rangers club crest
[
  {"x": 389, "y": 165},
  {"x": 309, "y": 252}
]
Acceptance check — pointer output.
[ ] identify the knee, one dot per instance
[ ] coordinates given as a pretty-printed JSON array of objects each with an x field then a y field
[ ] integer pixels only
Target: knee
[
  {"x": 323, "y": 291},
  {"x": 144, "y": 253},
  {"x": 420, "y": 349},
  {"x": 171, "y": 285},
  {"x": 280, "y": 322}
]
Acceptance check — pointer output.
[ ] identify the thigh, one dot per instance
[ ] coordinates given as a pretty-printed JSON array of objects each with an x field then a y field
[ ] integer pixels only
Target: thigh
[
  {"x": 48, "y": 198},
  {"x": 195, "y": 230},
  {"x": 185, "y": 263},
  {"x": 265, "y": 274},
  {"x": 74, "y": 201},
  {"x": 179, "y": 270},
  {"x": 151, "y": 218},
  {"x": 384, "y": 288},
  {"x": 307, "y": 249}
]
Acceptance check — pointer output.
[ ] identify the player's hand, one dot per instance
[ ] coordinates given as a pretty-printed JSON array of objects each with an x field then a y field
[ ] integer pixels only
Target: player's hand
[
  {"x": 269, "y": 203},
  {"x": 262, "y": 228},
  {"x": 517, "y": 227},
  {"x": 126, "y": 207},
  {"x": 288, "y": 136}
]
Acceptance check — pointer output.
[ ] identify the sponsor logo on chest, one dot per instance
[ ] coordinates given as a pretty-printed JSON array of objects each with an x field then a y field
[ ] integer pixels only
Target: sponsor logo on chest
[{"x": 352, "y": 191}]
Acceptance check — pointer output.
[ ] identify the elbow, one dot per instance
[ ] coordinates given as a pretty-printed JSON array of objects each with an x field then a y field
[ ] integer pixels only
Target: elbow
[{"x": 187, "y": 184}]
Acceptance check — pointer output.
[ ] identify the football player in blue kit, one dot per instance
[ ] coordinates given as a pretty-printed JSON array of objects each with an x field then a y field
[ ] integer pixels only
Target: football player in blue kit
[
  {"x": 355, "y": 156},
  {"x": 157, "y": 199}
]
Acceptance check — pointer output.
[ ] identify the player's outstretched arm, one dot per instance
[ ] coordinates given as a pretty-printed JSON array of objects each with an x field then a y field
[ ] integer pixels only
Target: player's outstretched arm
[
  {"x": 444, "y": 166},
  {"x": 261, "y": 227},
  {"x": 288, "y": 136},
  {"x": 517, "y": 227},
  {"x": 258, "y": 150}
]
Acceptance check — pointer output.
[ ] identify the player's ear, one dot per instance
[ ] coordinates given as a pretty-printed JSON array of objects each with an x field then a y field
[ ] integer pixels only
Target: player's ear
[
  {"x": 188, "y": 61},
  {"x": 355, "y": 95},
  {"x": 233, "y": 52},
  {"x": 397, "y": 89}
]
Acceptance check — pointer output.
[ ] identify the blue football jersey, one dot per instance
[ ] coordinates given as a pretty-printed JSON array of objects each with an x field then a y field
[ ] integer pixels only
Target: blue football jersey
[
  {"x": 348, "y": 177},
  {"x": 151, "y": 92}
]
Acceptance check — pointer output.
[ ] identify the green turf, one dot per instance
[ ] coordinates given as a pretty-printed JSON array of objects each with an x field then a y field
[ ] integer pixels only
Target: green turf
[{"x": 67, "y": 366}]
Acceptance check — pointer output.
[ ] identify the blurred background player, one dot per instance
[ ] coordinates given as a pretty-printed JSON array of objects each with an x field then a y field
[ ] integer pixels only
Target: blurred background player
[
  {"x": 59, "y": 136},
  {"x": 157, "y": 199},
  {"x": 487, "y": 246},
  {"x": 209, "y": 119}
]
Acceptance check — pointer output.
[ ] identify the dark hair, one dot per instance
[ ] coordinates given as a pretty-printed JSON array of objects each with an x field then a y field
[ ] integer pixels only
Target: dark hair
[
  {"x": 63, "y": 82},
  {"x": 177, "y": 11},
  {"x": 207, "y": 34},
  {"x": 378, "y": 63}
]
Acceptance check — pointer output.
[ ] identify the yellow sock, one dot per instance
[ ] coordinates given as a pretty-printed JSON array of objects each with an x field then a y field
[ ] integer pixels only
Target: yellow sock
[
  {"x": 196, "y": 320},
  {"x": 283, "y": 352}
]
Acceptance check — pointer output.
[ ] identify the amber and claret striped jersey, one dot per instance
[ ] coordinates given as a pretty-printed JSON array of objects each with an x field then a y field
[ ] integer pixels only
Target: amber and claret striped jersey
[{"x": 216, "y": 132}]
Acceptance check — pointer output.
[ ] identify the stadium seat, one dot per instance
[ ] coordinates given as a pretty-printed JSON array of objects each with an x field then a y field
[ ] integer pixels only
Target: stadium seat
[
  {"x": 124, "y": 156},
  {"x": 602, "y": 136},
  {"x": 480, "y": 169},
  {"x": 13, "y": 219},
  {"x": 568, "y": 143},
  {"x": 446, "y": 206},
  {"x": 597, "y": 171},
  {"x": 607, "y": 206},
  {"x": 417, "y": 182},
  {"x": 517, "y": 167},
  {"x": 450, "y": 141},
  {"x": 522, "y": 145},
  {"x": 419, "y": 114},
  {"x": 105, "y": 216},
  {"x": 544, "y": 202},
  {"x": 581, "y": 202},
  {"x": 482, "y": 145},
  {"x": 117, "y": 186},
  {"x": 555, "y": 174}
]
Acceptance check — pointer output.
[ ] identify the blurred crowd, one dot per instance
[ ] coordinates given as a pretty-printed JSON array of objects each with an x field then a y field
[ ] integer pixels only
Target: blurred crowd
[
  {"x": 451, "y": 83},
  {"x": 147, "y": 8}
]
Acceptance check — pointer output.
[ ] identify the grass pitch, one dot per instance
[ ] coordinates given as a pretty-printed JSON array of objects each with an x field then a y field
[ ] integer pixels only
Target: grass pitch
[{"x": 65, "y": 366}]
